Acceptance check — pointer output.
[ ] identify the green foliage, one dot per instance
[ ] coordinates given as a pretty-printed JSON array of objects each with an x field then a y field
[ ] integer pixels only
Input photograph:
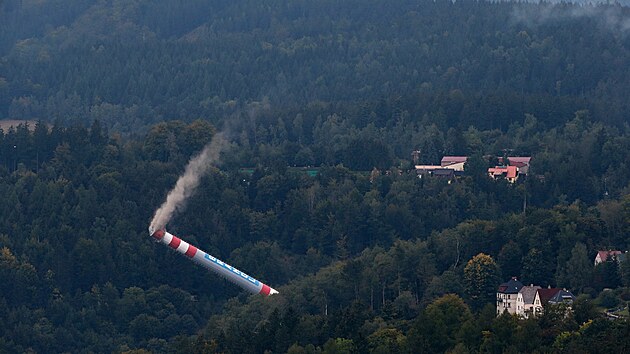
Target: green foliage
[
  {"x": 481, "y": 276},
  {"x": 339, "y": 345},
  {"x": 537, "y": 267},
  {"x": 365, "y": 261},
  {"x": 624, "y": 269},
  {"x": 132, "y": 65},
  {"x": 606, "y": 274},
  {"x": 510, "y": 260},
  {"x": 579, "y": 269},
  {"x": 354, "y": 259},
  {"x": 387, "y": 340}
]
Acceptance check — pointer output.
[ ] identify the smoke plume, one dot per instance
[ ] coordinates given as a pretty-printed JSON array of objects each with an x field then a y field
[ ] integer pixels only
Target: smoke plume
[
  {"x": 188, "y": 182},
  {"x": 614, "y": 17}
]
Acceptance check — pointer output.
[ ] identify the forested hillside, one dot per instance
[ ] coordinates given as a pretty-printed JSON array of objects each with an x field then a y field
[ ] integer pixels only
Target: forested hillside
[
  {"x": 355, "y": 255},
  {"x": 367, "y": 256},
  {"x": 131, "y": 64}
]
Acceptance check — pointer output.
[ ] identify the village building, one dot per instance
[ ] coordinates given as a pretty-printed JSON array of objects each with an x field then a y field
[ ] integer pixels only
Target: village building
[
  {"x": 436, "y": 171},
  {"x": 507, "y": 296},
  {"x": 527, "y": 301},
  {"x": 516, "y": 166},
  {"x": 520, "y": 162},
  {"x": 451, "y": 166},
  {"x": 563, "y": 296},
  {"x": 510, "y": 173},
  {"x": 423, "y": 170},
  {"x": 602, "y": 256},
  {"x": 454, "y": 162}
]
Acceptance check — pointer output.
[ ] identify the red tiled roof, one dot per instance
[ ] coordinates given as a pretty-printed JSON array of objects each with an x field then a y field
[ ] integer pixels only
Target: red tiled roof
[
  {"x": 603, "y": 255},
  {"x": 519, "y": 159},
  {"x": 511, "y": 172},
  {"x": 497, "y": 171}
]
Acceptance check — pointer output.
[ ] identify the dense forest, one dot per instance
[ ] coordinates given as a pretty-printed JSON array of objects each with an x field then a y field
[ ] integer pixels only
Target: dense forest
[
  {"x": 130, "y": 64},
  {"x": 367, "y": 256}
]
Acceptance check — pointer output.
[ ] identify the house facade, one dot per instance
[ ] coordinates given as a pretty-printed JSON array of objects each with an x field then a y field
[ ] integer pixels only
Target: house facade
[
  {"x": 507, "y": 296},
  {"x": 527, "y": 301}
]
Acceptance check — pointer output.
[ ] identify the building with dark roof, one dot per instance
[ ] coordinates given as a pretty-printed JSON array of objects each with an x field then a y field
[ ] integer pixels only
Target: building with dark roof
[
  {"x": 528, "y": 301},
  {"x": 507, "y": 295},
  {"x": 435, "y": 171},
  {"x": 547, "y": 293},
  {"x": 563, "y": 296}
]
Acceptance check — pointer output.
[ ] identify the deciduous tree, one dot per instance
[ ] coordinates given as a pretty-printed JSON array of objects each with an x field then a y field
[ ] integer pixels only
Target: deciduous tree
[{"x": 481, "y": 278}]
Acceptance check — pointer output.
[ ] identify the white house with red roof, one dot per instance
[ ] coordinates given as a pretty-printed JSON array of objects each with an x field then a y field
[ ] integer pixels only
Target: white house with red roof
[
  {"x": 510, "y": 173},
  {"x": 516, "y": 166}
]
